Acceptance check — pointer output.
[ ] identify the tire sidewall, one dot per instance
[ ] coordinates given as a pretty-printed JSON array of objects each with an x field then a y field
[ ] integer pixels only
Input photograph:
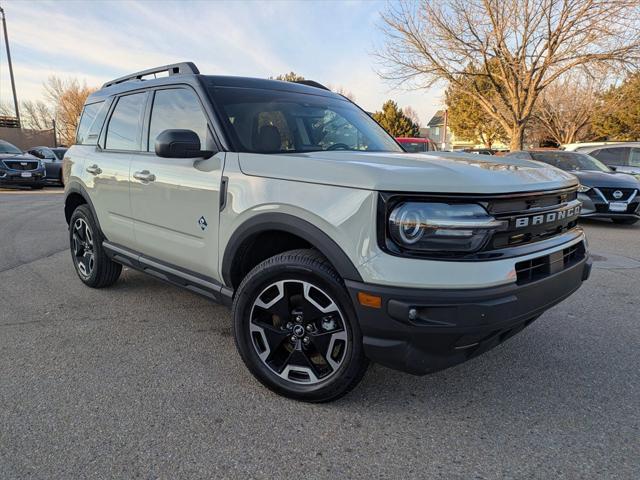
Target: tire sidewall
[{"x": 253, "y": 286}]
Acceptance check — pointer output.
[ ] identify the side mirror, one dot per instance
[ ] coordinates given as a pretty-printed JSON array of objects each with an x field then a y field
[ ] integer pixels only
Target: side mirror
[
  {"x": 615, "y": 169},
  {"x": 180, "y": 144}
]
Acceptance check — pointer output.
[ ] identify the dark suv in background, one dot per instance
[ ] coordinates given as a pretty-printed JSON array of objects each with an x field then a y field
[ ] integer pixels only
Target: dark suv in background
[
  {"x": 51, "y": 157},
  {"x": 17, "y": 168}
]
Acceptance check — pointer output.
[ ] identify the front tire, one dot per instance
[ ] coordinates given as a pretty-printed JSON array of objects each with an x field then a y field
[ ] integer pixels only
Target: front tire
[
  {"x": 296, "y": 330},
  {"x": 92, "y": 265}
]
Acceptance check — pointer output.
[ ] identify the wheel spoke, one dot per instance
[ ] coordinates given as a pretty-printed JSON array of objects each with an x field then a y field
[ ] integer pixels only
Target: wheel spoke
[
  {"x": 325, "y": 342},
  {"x": 288, "y": 325}
]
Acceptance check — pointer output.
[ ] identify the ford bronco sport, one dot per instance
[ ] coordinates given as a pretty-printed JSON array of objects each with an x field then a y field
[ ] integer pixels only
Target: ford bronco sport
[{"x": 332, "y": 245}]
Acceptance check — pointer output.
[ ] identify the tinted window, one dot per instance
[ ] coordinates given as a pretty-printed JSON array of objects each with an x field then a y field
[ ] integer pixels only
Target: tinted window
[
  {"x": 634, "y": 160},
  {"x": 272, "y": 121},
  {"x": 414, "y": 146},
  {"x": 570, "y": 161},
  {"x": 36, "y": 153},
  {"x": 59, "y": 152},
  {"x": 177, "y": 109},
  {"x": 90, "y": 123},
  {"x": 613, "y": 156},
  {"x": 124, "y": 128}
]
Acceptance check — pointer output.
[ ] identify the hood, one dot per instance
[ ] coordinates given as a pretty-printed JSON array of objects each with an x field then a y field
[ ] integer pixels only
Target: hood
[
  {"x": 406, "y": 172},
  {"x": 18, "y": 156},
  {"x": 606, "y": 179}
]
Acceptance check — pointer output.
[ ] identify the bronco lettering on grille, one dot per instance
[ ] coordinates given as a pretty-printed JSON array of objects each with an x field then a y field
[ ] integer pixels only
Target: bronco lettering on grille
[{"x": 545, "y": 218}]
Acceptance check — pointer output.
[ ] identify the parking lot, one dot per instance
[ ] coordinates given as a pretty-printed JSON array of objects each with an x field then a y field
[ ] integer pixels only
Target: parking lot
[{"x": 142, "y": 380}]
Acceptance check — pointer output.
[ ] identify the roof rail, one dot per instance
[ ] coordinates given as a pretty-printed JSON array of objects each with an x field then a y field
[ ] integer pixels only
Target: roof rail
[
  {"x": 173, "y": 69},
  {"x": 312, "y": 83}
]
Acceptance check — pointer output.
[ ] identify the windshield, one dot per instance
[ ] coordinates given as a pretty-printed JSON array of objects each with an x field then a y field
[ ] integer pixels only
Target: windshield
[
  {"x": 6, "y": 147},
  {"x": 571, "y": 161},
  {"x": 272, "y": 121}
]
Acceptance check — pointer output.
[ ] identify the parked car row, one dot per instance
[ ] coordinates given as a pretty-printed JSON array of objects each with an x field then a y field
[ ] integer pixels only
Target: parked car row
[
  {"x": 34, "y": 168},
  {"x": 604, "y": 192}
]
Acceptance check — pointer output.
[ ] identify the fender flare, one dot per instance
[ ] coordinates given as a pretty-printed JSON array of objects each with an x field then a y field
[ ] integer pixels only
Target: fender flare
[
  {"x": 290, "y": 224},
  {"x": 77, "y": 188}
]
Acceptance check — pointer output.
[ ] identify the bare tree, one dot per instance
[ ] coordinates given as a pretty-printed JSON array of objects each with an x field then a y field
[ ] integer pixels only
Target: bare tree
[
  {"x": 67, "y": 98},
  {"x": 566, "y": 107},
  {"x": 520, "y": 46},
  {"x": 344, "y": 92},
  {"x": 412, "y": 114},
  {"x": 36, "y": 115}
]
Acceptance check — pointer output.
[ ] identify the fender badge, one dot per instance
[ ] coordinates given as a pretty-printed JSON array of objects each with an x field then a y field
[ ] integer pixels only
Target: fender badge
[{"x": 203, "y": 223}]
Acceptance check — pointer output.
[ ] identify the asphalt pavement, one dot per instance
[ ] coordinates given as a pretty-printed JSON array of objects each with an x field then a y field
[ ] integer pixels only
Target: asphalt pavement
[{"x": 142, "y": 380}]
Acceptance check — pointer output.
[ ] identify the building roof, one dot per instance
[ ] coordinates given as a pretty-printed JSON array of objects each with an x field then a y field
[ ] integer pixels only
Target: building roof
[{"x": 437, "y": 119}]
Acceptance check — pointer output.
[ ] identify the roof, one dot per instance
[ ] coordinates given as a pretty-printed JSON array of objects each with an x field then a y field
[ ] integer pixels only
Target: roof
[
  {"x": 437, "y": 119},
  {"x": 135, "y": 82}
]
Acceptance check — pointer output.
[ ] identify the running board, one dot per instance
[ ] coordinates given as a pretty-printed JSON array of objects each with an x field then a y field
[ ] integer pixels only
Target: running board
[{"x": 186, "y": 279}]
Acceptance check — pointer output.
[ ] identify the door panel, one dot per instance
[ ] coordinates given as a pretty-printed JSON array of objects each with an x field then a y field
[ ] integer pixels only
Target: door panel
[
  {"x": 108, "y": 187},
  {"x": 176, "y": 209}
]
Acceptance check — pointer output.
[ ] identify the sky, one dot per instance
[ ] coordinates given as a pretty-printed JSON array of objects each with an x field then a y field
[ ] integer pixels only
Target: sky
[{"x": 332, "y": 42}]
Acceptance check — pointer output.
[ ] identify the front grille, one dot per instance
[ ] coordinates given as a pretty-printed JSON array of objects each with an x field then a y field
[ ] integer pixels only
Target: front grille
[
  {"x": 538, "y": 268},
  {"x": 608, "y": 193},
  {"x": 547, "y": 215},
  {"x": 21, "y": 165}
]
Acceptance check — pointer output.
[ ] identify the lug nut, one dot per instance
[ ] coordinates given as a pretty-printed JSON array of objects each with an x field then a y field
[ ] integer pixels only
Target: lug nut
[
  {"x": 293, "y": 339},
  {"x": 305, "y": 340},
  {"x": 309, "y": 327},
  {"x": 298, "y": 318},
  {"x": 289, "y": 325}
]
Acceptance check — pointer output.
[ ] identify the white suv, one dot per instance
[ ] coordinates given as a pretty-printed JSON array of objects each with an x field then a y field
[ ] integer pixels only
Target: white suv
[{"x": 333, "y": 245}]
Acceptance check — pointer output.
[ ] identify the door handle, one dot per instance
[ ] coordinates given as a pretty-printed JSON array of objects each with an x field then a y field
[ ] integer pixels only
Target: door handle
[
  {"x": 94, "y": 169},
  {"x": 144, "y": 176}
]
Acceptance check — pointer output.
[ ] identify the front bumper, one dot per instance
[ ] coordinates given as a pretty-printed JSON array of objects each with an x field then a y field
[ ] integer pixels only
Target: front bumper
[
  {"x": 421, "y": 331},
  {"x": 14, "y": 177},
  {"x": 596, "y": 205}
]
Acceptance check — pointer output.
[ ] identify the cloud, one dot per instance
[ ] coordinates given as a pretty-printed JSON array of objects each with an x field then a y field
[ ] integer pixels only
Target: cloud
[{"x": 96, "y": 41}]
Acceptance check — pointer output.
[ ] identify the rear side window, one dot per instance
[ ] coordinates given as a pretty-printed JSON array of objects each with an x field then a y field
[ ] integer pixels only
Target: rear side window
[
  {"x": 634, "y": 160},
  {"x": 177, "y": 109},
  {"x": 613, "y": 156},
  {"x": 414, "y": 147},
  {"x": 91, "y": 123},
  {"x": 125, "y": 125}
]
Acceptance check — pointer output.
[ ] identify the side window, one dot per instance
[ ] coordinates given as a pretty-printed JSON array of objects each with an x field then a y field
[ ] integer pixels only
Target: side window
[
  {"x": 634, "y": 160},
  {"x": 177, "y": 109},
  {"x": 276, "y": 122},
  {"x": 36, "y": 153},
  {"x": 125, "y": 125},
  {"x": 613, "y": 156},
  {"x": 90, "y": 124}
]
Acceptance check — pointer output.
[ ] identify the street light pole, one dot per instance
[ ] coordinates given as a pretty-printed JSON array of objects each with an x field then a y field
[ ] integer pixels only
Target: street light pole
[{"x": 13, "y": 83}]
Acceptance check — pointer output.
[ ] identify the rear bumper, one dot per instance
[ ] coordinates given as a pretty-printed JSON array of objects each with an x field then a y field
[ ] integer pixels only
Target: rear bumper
[{"x": 452, "y": 326}]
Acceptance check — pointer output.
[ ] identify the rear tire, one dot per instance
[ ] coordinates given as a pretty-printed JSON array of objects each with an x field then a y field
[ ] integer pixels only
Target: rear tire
[
  {"x": 624, "y": 221},
  {"x": 92, "y": 265},
  {"x": 296, "y": 329}
]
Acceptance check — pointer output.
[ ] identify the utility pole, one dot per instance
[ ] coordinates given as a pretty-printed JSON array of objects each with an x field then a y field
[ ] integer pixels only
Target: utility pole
[{"x": 13, "y": 82}]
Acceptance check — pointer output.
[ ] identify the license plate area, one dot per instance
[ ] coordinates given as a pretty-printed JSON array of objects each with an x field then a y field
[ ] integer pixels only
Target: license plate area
[
  {"x": 618, "y": 207},
  {"x": 25, "y": 174}
]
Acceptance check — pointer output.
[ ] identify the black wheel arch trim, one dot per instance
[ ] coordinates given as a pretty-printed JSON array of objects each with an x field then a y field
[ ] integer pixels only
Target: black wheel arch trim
[
  {"x": 283, "y": 222},
  {"x": 78, "y": 189}
]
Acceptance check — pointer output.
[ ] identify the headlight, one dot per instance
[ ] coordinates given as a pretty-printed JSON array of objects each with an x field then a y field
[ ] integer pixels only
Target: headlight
[
  {"x": 583, "y": 188},
  {"x": 441, "y": 227}
]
